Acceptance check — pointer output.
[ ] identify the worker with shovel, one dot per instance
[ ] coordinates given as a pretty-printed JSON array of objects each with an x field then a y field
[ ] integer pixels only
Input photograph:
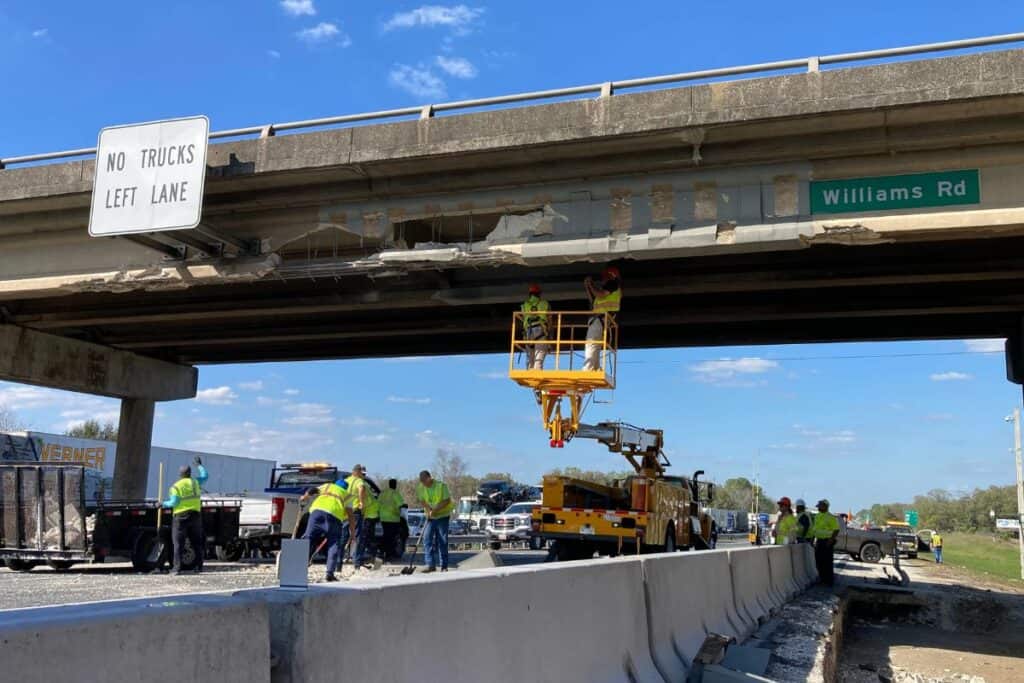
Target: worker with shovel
[
  {"x": 328, "y": 522},
  {"x": 437, "y": 503}
]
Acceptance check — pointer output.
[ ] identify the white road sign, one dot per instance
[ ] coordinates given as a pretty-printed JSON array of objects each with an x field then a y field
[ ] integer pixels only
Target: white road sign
[
  {"x": 149, "y": 177},
  {"x": 1007, "y": 524}
]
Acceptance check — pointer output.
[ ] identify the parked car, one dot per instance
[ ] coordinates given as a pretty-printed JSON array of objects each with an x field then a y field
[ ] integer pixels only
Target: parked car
[
  {"x": 864, "y": 545},
  {"x": 906, "y": 539},
  {"x": 514, "y": 524}
]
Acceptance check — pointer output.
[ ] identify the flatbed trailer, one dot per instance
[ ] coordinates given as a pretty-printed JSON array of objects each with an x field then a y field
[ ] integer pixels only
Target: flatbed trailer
[{"x": 45, "y": 517}]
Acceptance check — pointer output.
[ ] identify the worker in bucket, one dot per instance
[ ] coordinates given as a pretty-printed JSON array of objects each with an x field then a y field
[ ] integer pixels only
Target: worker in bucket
[
  {"x": 535, "y": 327},
  {"x": 437, "y": 503},
  {"x": 804, "y": 520},
  {"x": 785, "y": 523},
  {"x": 391, "y": 504},
  {"x": 605, "y": 298},
  {"x": 328, "y": 522},
  {"x": 185, "y": 502},
  {"x": 825, "y": 531}
]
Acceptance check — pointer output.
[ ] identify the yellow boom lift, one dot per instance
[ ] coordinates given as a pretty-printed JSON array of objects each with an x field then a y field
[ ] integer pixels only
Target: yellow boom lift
[{"x": 648, "y": 511}]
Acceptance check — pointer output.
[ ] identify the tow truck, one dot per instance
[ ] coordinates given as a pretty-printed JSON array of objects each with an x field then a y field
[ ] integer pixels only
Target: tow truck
[{"x": 649, "y": 511}]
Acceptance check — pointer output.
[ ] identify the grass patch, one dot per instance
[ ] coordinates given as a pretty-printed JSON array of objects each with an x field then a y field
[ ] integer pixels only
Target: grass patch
[{"x": 981, "y": 553}]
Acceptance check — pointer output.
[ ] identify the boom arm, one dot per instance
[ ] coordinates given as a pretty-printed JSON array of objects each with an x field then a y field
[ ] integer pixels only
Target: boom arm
[{"x": 642, "y": 447}]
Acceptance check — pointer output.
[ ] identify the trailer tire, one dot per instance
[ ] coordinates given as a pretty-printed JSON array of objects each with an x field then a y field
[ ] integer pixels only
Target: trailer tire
[
  {"x": 870, "y": 553},
  {"x": 60, "y": 565},
  {"x": 146, "y": 552},
  {"x": 21, "y": 565},
  {"x": 232, "y": 551}
]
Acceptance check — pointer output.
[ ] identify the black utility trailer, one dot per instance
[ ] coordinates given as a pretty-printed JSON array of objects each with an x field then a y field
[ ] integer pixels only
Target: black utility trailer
[{"x": 45, "y": 517}]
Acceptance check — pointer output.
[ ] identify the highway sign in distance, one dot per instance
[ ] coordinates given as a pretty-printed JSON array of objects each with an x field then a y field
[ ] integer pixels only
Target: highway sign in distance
[
  {"x": 910, "y": 517},
  {"x": 149, "y": 177}
]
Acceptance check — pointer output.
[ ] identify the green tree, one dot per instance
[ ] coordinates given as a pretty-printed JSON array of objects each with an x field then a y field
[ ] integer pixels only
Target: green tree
[
  {"x": 738, "y": 493},
  {"x": 596, "y": 476},
  {"x": 92, "y": 429}
]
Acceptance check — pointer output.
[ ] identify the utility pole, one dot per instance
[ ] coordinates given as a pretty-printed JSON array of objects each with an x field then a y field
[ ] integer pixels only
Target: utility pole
[{"x": 1020, "y": 487}]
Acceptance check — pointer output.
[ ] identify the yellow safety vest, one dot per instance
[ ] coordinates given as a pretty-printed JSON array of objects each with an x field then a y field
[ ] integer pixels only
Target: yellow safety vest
[
  {"x": 825, "y": 524},
  {"x": 609, "y": 303},
  {"x": 936, "y": 541},
  {"x": 354, "y": 484},
  {"x": 372, "y": 510},
  {"x": 390, "y": 505},
  {"x": 188, "y": 493},
  {"x": 330, "y": 499},
  {"x": 539, "y": 308},
  {"x": 434, "y": 494},
  {"x": 785, "y": 530}
]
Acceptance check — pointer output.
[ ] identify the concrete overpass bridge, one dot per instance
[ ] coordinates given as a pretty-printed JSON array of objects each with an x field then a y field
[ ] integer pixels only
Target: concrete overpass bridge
[{"x": 740, "y": 212}]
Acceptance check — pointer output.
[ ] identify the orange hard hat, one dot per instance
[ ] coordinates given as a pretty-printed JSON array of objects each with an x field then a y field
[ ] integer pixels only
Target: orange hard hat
[
  {"x": 534, "y": 288},
  {"x": 610, "y": 273},
  {"x": 785, "y": 501}
]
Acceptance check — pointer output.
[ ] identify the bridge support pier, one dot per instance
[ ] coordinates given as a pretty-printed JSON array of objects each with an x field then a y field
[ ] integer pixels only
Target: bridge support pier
[
  {"x": 33, "y": 357},
  {"x": 134, "y": 440}
]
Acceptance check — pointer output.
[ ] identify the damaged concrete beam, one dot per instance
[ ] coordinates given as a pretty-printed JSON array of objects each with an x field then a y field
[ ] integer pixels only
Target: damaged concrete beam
[{"x": 32, "y": 357}]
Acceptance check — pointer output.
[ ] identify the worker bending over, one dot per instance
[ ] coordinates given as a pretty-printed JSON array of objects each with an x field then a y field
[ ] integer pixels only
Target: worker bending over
[
  {"x": 535, "y": 327},
  {"x": 391, "y": 504},
  {"x": 327, "y": 522},
  {"x": 437, "y": 503},
  {"x": 824, "y": 531},
  {"x": 785, "y": 524},
  {"x": 605, "y": 297},
  {"x": 186, "y": 504}
]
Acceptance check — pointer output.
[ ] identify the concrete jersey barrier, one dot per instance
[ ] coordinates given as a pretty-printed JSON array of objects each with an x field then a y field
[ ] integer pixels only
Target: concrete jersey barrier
[
  {"x": 803, "y": 564},
  {"x": 751, "y": 585},
  {"x": 583, "y": 621},
  {"x": 203, "y": 638},
  {"x": 689, "y": 595},
  {"x": 780, "y": 564}
]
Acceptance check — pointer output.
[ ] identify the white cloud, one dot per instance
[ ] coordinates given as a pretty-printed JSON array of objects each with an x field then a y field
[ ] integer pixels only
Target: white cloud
[
  {"x": 251, "y": 386},
  {"x": 267, "y": 401},
  {"x": 458, "y": 18},
  {"x": 21, "y": 397},
  {"x": 298, "y": 8},
  {"x": 40, "y": 33},
  {"x": 357, "y": 421},
  {"x": 218, "y": 396},
  {"x": 950, "y": 376},
  {"x": 323, "y": 32},
  {"x": 456, "y": 66},
  {"x": 409, "y": 399},
  {"x": 291, "y": 392},
  {"x": 248, "y": 438},
  {"x": 494, "y": 374},
  {"x": 308, "y": 414},
  {"x": 417, "y": 80},
  {"x": 723, "y": 370},
  {"x": 371, "y": 438},
  {"x": 940, "y": 417},
  {"x": 274, "y": 53},
  {"x": 985, "y": 345}
]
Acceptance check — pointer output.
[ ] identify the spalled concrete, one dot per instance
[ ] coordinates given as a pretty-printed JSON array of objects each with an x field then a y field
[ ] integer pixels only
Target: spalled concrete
[{"x": 207, "y": 639}]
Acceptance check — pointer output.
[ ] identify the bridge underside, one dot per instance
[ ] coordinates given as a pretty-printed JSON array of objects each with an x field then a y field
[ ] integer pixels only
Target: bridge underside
[{"x": 824, "y": 293}]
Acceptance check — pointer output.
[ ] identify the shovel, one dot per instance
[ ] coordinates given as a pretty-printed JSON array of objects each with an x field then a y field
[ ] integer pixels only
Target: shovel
[
  {"x": 318, "y": 549},
  {"x": 410, "y": 569}
]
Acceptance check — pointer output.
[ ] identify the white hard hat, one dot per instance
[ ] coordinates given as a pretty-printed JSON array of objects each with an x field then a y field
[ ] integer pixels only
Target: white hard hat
[{"x": 800, "y": 503}]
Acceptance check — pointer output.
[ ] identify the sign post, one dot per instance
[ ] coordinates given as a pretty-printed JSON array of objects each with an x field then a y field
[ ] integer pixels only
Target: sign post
[{"x": 149, "y": 177}]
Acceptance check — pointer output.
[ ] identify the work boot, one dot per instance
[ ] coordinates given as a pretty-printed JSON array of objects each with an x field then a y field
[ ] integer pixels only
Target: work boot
[
  {"x": 330, "y": 578},
  {"x": 430, "y": 570}
]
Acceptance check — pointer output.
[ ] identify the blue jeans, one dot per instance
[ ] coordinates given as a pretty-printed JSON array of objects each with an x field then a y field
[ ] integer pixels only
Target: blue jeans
[
  {"x": 938, "y": 554},
  {"x": 323, "y": 525},
  {"x": 435, "y": 543},
  {"x": 366, "y": 546}
]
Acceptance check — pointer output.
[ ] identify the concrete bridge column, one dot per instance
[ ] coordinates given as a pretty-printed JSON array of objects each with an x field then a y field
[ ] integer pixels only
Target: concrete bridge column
[{"x": 134, "y": 440}]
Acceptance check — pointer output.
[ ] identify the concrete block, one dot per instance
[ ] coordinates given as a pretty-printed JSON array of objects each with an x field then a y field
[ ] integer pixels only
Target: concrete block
[
  {"x": 156, "y": 640},
  {"x": 437, "y": 628},
  {"x": 810, "y": 569},
  {"x": 803, "y": 564},
  {"x": 780, "y": 564},
  {"x": 485, "y": 559},
  {"x": 751, "y": 585},
  {"x": 689, "y": 595}
]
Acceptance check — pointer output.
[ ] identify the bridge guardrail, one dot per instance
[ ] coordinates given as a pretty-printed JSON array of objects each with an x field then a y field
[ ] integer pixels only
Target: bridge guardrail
[{"x": 606, "y": 89}]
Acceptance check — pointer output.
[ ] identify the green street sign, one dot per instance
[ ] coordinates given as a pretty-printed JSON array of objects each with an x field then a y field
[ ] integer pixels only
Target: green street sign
[
  {"x": 910, "y": 517},
  {"x": 882, "y": 193}
]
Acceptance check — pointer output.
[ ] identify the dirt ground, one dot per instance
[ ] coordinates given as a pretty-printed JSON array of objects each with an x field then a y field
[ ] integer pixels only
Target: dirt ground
[{"x": 969, "y": 629}]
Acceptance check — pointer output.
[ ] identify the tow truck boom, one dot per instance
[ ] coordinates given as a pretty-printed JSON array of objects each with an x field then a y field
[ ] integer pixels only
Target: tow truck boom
[{"x": 642, "y": 447}]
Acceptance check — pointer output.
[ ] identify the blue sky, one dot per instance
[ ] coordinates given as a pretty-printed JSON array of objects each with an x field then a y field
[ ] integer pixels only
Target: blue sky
[{"x": 857, "y": 430}]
